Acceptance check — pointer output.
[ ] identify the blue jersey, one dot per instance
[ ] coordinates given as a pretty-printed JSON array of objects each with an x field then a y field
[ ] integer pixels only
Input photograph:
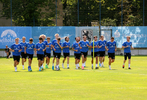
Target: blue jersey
[
  {"x": 128, "y": 49},
  {"x": 66, "y": 49},
  {"x": 103, "y": 44},
  {"x": 40, "y": 46},
  {"x": 16, "y": 48},
  {"x": 84, "y": 46},
  {"x": 45, "y": 42},
  {"x": 48, "y": 49},
  {"x": 95, "y": 44},
  {"x": 57, "y": 47},
  {"x": 23, "y": 45},
  {"x": 111, "y": 46},
  {"x": 76, "y": 47},
  {"x": 54, "y": 42},
  {"x": 30, "y": 48}
]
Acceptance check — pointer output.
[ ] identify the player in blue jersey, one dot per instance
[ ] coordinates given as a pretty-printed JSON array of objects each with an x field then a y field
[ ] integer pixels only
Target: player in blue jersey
[
  {"x": 29, "y": 50},
  {"x": 95, "y": 51},
  {"x": 48, "y": 52},
  {"x": 57, "y": 49},
  {"x": 45, "y": 42},
  {"x": 101, "y": 46},
  {"x": 23, "y": 54},
  {"x": 77, "y": 52},
  {"x": 84, "y": 46},
  {"x": 66, "y": 51},
  {"x": 40, "y": 48},
  {"x": 16, "y": 49},
  {"x": 127, "y": 46},
  {"x": 111, "y": 48},
  {"x": 54, "y": 55}
]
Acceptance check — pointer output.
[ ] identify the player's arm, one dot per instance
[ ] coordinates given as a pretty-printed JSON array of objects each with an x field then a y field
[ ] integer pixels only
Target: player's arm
[
  {"x": 60, "y": 45},
  {"x": 25, "y": 50},
  {"x": 65, "y": 46},
  {"x": 80, "y": 46},
  {"x": 20, "y": 49},
  {"x": 106, "y": 48}
]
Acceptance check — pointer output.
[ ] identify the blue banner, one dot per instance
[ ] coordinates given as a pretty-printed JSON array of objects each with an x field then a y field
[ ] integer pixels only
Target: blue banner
[
  {"x": 138, "y": 35},
  {"x": 8, "y": 35},
  {"x": 51, "y": 31}
]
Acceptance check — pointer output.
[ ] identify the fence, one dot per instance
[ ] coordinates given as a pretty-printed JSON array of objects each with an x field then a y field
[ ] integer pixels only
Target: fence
[
  {"x": 73, "y": 13},
  {"x": 138, "y": 34}
]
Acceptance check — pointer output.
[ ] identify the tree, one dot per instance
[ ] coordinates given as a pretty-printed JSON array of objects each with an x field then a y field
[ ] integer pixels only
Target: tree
[{"x": 30, "y": 12}]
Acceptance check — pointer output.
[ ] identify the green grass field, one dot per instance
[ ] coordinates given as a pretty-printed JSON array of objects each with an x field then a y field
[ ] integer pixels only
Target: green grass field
[{"x": 72, "y": 84}]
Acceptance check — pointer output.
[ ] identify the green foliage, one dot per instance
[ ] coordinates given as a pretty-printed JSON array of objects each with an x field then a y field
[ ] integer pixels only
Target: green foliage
[{"x": 30, "y": 12}]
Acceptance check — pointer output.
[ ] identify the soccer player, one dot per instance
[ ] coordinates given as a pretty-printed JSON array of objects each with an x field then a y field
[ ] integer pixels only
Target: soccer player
[
  {"x": 23, "y": 54},
  {"x": 77, "y": 52},
  {"x": 101, "y": 46},
  {"x": 127, "y": 51},
  {"x": 48, "y": 51},
  {"x": 29, "y": 50},
  {"x": 7, "y": 51},
  {"x": 66, "y": 51},
  {"x": 40, "y": 48},
  {"x": 111, "y": 48},
  {"x": 16, "y": 49},
  {"x": 84, "y": 50},
  {"x": 45, "y": 42},
  {"x": 57, "y": 49},
  {"x": 95, "y": 51},
  {"x": 55, "y": 40}
]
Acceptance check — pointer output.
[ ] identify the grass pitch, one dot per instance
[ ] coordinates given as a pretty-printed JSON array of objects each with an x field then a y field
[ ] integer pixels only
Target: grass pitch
[{"x": 72, "y": 84}]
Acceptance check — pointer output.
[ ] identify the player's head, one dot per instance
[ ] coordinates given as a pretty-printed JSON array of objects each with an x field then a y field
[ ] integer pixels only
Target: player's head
[
  {"x": 23, "y": 39},
  {"x": 56, "y": 35},
  {"x": 95, "y": 38},
  {"x": 16, "y": 40},
  {"x": 67, "y": 38},
  {"x": 30, "y": 40},
  {"x": 77, "y": 39},
  {"x": 48, "y": 39},
  {"x": 128, "y": 38},
  {"x": 84, "y": 37},
  {"x": 102, "y": 37},
  {"x": 112, "y": 39},
  {"x": 43, "y": 36},
  {"x": 6, "y": 46},
  {"x": 58, "y": 39},
  {"x": 40, "y": 40}
]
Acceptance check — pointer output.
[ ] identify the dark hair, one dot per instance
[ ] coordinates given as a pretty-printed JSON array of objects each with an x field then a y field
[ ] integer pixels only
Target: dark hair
[
  {"x": 112, "y": 37},
  {"x": 95, "y": 36},
  {"x": 59, "y": 38},
  {"x": 31, "y": 39},
  {"x": 66, "y": 38},
  {"x": 40, "y": 39}
]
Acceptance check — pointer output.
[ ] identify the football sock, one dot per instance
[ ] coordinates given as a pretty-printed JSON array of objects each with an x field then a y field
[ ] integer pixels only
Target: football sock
[
  {"x": 129, "y": 65},
  {"x": 96, "y": 65},
  {"x": 67, "y": 65}
]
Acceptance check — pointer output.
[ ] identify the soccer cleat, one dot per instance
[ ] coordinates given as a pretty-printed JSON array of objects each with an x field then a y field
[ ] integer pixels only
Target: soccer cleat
[
  {"x": 82, "y": 67},
  {"x": 99, "y": 64},
  {"x": 39, "y": 69},
  {"x": 28, "y": 68},
  {"x": 96, "y": 67},
  {"x": 67, "y": 67},
  {"x": 42, "y": 67},
  {"x": 52, "y": 67},
  {"x": 91, "y": 67},
  {"x": 129, "y": 68},
  {"x": 109, "y": 68},
  {"x": 46, "y": 66},
  {"x": 123, "y": 66}
]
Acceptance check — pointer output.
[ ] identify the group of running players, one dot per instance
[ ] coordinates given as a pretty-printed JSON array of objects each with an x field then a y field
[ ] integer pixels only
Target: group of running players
[{"x": 80, "y": 47}]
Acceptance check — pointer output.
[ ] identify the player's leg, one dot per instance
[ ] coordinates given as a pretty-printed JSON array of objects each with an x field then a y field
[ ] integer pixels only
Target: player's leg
[
  {"x": 54, "y": 57},
  {"x": 83, "y": 60},
  {"x": 63, "y": 59},
  {"x": 67, "y": 62},
  {"x": 29, "y": 67},
  {"x": 96, "y": 62},
  {"x": 47, "y": 62},
  {"x": 129, "y": 60},
  {"x": 110, "y": 63},
  {"x": 125, "y": 58},
  {"x": 103, "y": 58}
]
